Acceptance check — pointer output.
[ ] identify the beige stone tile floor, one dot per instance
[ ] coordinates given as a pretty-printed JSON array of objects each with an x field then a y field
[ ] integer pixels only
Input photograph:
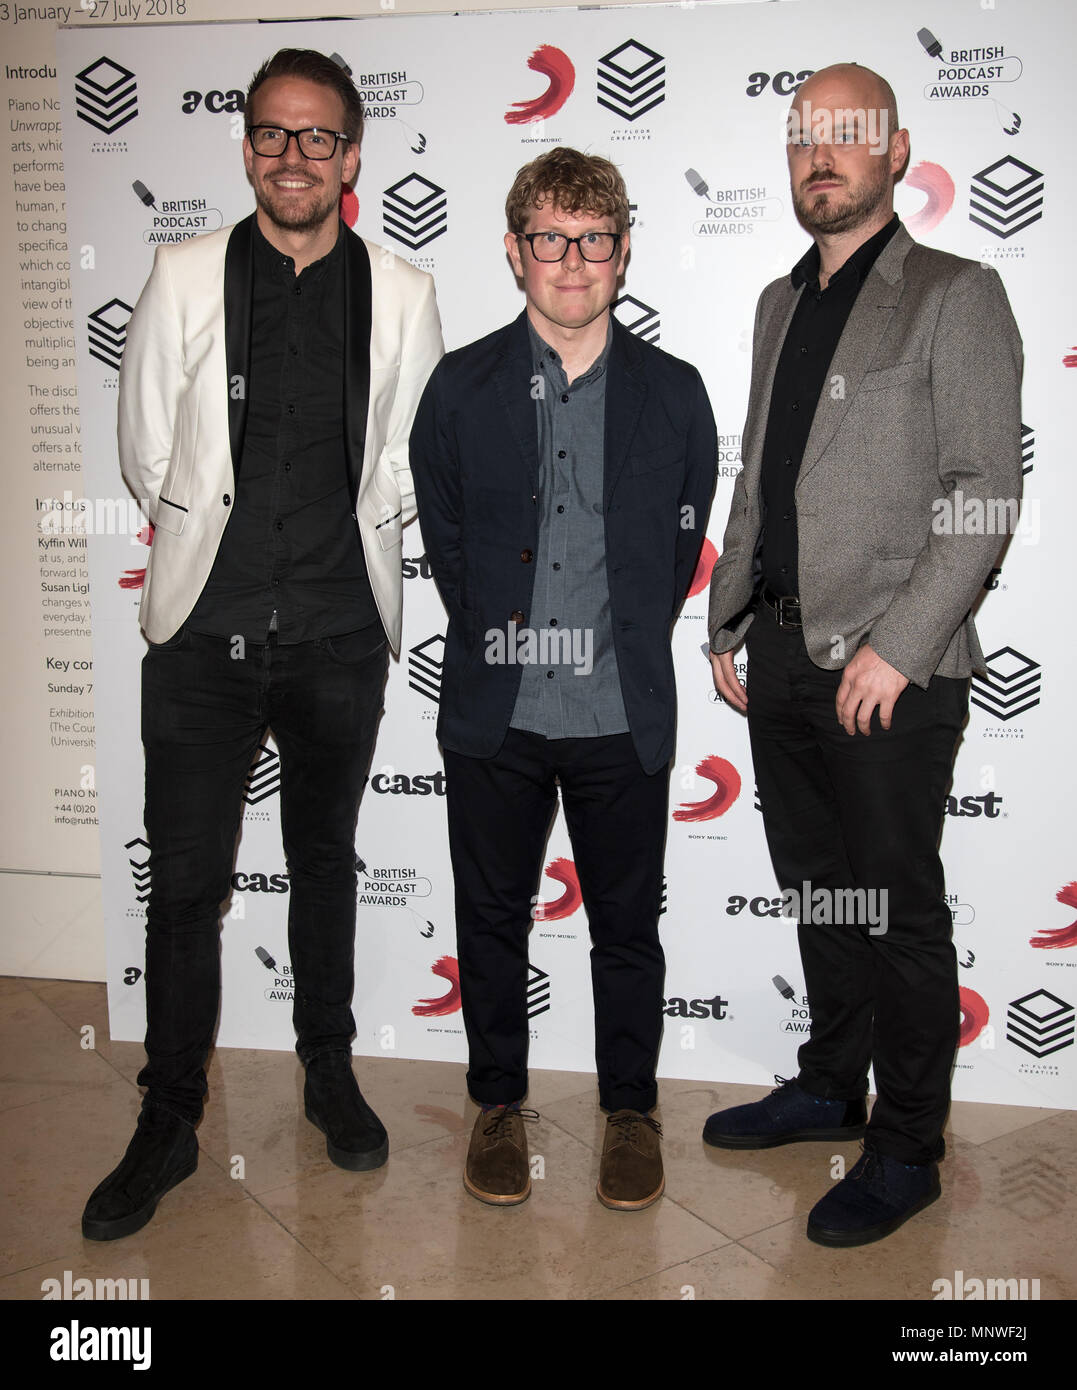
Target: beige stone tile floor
[{"x": 268, "y": 1217}]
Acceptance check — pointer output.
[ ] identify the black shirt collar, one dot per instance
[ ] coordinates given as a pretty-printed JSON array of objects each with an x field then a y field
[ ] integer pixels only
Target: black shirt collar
[
  {"x": 270, "y": 261},
  {"x": 806, "y": 270}
]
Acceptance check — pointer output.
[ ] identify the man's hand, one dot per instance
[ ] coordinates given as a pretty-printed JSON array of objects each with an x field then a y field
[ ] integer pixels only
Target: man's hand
[
  {"x": 726, "y": 682},
  {"x": 868, "y": 681}
]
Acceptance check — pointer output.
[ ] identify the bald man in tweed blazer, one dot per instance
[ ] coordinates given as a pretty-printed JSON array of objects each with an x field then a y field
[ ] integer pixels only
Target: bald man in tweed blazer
[{"x": 885, "y": 399}]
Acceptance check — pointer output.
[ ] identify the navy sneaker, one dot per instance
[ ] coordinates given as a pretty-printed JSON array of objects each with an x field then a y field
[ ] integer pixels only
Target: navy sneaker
[
  {"x": 788, "y": 1115},
  {"x": 872, "y": 1200}
]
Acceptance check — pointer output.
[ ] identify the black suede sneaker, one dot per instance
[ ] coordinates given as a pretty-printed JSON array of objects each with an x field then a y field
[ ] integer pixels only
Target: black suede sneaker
[
  {"x": 162, "y": 1153},
  {"x": 355, "y": 1137}
]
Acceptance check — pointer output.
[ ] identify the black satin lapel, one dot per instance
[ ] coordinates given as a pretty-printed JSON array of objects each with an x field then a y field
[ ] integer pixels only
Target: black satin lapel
[
  {"x": 238, "y": 293},
  {"x": 626, "y": 391},
  {"x": 358, "y": 300}
]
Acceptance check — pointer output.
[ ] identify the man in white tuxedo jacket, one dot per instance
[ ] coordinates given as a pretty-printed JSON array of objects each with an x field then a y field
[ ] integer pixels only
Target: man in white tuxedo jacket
[
  {"x": 268, "y": 386},
  {"x": 885, "y": 395}
]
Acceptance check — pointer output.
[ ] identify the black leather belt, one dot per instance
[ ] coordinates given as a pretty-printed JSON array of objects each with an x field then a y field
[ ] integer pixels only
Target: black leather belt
[{"x": 786, "y": 608}]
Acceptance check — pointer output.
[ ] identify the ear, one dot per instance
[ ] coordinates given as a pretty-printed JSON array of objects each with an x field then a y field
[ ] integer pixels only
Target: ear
[
  {"x": 899, "y": 153},
  {"x": 248, "y": 154},
  {"x": 623, "y": 258},
  {"x": 349, "y": 166},
  {"x": 512, "y": 246}
]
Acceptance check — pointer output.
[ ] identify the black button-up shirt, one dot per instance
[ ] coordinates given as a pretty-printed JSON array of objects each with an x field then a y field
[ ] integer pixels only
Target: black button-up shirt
[
  {"x": 291, "y": 559},
  {"x": 816, "y": 326}
]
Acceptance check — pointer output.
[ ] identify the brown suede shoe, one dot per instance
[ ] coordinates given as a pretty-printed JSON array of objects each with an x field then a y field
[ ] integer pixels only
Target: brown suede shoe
[
  {"x": 630, "y": 1177},
  {"x": 497, "y": 1168}
]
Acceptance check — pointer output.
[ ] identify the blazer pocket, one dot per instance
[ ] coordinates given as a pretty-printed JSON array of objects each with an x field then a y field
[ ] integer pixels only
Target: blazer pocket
[
  {"x": 389, "y": 524},
  {"x": 170, "y": 516},
  {"x": 894, "y": 376},
  {"x": 650, "y": 460}
]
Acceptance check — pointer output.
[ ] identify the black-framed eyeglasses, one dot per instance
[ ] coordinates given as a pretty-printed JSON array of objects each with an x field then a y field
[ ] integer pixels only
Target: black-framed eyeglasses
[
  {"x": 553, "y": 246},
  {"x": 314, "y": 143}
]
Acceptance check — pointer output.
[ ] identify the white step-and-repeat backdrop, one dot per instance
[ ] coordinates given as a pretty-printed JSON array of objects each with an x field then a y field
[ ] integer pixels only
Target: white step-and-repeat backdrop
[{"x": 689, "y": 101}]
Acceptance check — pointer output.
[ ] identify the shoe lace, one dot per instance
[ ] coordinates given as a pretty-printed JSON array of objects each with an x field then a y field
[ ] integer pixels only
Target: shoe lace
[
  {"x": 499, "y": 1119},
  {"x": 629, "y": 1121}
]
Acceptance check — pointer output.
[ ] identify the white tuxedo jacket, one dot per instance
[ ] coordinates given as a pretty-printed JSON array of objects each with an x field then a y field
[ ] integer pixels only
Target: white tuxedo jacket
[{"x": 183, "y": 401}]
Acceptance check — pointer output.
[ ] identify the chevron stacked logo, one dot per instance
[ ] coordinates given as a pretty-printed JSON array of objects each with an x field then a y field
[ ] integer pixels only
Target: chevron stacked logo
[
  {"x": 1040, "y": 1023},
  {"x": 1008, "y": 196},
  {"x": 263, "y": 780},
  {"x": 1028, "y": 447},
  {"x": 631, "y": 80},
  {"x": 425, "y": 663},
  {"x": 538, "y": 991},
  {"x": 106, "y": 95},
  {"x": 1011, "y": 686},
  {"x": 140, "y": 867},
  {"x": 638, "y": 318},
  {"x": 107, "y": 328},
  {"x": 413, "y": 211}
]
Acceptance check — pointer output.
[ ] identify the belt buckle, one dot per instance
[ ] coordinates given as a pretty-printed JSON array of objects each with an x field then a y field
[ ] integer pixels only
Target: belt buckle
[{"x": 792, "y": 618}]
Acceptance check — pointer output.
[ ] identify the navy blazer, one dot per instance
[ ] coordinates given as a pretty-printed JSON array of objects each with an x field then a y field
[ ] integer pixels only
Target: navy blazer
[{"x": 474, "y": 458}]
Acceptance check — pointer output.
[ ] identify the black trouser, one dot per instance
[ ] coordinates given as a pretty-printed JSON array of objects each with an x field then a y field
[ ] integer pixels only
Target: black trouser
[
  {"x": 864, "y": 812},
  {"x": 500, "y": 811},
  {"x": 203, "y": 716}
]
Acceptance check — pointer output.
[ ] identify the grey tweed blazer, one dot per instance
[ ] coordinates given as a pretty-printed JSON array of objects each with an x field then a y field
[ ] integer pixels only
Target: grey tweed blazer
[{"x": 920, "y": 419}]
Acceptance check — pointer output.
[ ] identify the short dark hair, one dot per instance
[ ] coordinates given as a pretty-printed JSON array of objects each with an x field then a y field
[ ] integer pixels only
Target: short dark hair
[
  {"x": 312, "y": 66},
  {"x": 571, "y": 182}
]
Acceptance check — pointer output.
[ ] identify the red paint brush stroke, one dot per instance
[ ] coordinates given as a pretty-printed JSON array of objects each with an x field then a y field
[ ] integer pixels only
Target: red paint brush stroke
[
  {"x": 134, "y": 579},
  {"x": 555, "y": 65},
  {"x": 448, "y": 969},
  {"x": 726, "y": 780},
  {"x": 933, "y": 180},
  {"x": 974, "y": 1016},
  {"x": 564, "y": 871},
  {"x": 702, "y": 576},
  {"x": 349, "y": 205},
  {"x": 1059, "y": 937}
]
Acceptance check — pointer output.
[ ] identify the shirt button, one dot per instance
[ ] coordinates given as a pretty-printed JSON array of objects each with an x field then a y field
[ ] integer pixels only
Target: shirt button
[
  {"x": 795, "y": 405},
  {"x": 788, "y": 463},
  {"x": 293, "y": 349},
  {"x": 298, "y": 289},
  {"x": 526, "y": 556},
  {"x": 288, "y": 466},
  {"x": 556, "y": 565},
  {"x": 516, "y": 616},
  {"x": 553, "y": 622},
  {"x": 291, "y": 409},
  {"x": 560, "y": 509},
  {"x": 564, "y": 400},
  {"x": 561, "y": 454},
  {"x": 803, "y": 349},
  {"x": 549, "y": 675},
  {"x": 788, "y": 516},
  {"x": 279, "y": 525}
]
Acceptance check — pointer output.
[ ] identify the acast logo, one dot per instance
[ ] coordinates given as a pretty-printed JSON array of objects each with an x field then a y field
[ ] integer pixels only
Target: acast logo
[
  {"x": 675, "y": 1007},
  {"x": 106, "y": 95}
]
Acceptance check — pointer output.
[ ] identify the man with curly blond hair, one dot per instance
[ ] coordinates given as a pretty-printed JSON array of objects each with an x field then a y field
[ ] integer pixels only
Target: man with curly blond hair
[{"x": 563, "y": 471}]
